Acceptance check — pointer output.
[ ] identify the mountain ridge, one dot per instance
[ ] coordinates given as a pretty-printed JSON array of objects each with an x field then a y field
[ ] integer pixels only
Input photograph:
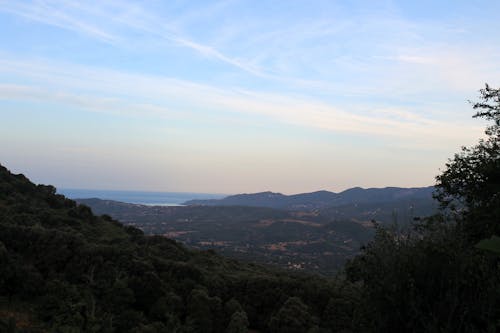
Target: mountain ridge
[{"x": 318, "y": 199}]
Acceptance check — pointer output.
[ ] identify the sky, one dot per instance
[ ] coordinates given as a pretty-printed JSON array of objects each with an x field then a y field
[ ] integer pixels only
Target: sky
[{"x": 241, "y": 96}]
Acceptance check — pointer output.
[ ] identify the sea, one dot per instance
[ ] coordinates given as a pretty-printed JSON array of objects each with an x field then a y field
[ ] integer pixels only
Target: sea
[{"x": 139, "y": 197}]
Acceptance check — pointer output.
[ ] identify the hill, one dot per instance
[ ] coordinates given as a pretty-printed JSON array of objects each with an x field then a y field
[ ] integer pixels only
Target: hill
[
  {"x": 64, "y": 269},
  {"x": 321, "y": 199}
]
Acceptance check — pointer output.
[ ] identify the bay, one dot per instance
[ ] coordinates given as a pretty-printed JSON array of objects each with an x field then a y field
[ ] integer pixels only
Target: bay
[{"x": 138, "y": 197}]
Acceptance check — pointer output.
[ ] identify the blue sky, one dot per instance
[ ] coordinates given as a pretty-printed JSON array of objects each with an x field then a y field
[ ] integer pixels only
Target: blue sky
[{"x": 241, "y": 96}]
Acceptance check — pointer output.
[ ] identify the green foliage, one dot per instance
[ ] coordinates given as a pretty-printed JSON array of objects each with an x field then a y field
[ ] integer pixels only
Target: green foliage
[
  {"x": 292, "y": 317},
  {"x": 83, "y": 273},
  {"x": 492, "y": 245},
  {"x": 434, "y": 278},
  {"x": 232, "y": 306},
  {"x": 420, "y": 282},
  {"x": 338, "y": 314},
  {"x": 238, "y": 323},
  {"x": 200, "y": 312},
  {"x": 470, "y": 184}
]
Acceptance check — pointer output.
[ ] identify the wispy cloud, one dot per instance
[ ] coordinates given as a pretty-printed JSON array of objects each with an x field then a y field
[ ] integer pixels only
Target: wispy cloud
[
  {"x": 48, "y": 13},
  {"x": 372, "y": 52},
  {"x": 102, "y": 24},
  {"x": 135, "y": 94},
  {"x": 306, "y": 56},
  {"x": 332, "y": 90},
  {"x": 115, "y": 106}
]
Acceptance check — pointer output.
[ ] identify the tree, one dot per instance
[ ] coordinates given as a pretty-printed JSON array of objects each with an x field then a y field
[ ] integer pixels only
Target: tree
[
  {"x": 338, "y": 313},
  {"x": 231, "y": 307},
  {"x": 470, "y": 184},
  {"x": 238, "y": 323},
  {"x": 292, "y": 317},
  {"x": 435, "y": 278},
  {"x": 199, "y": 317}
]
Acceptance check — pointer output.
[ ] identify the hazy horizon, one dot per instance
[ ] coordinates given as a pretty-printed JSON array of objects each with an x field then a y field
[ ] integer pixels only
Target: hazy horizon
[
  {"x": 64, "y": 189},
  {"x": 240, "y": 96}
]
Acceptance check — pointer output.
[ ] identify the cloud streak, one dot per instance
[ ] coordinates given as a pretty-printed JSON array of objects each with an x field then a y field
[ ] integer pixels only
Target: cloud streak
[
  {"x": 47, "y": 13},
  {"x": 310, "y": 54},
  {"x": 142, "y": 95},
  {"x": 68, "y": 15}
]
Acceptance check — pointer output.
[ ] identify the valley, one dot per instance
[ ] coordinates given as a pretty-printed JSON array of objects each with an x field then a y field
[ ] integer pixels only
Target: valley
[{"x": 318, "y": 240}]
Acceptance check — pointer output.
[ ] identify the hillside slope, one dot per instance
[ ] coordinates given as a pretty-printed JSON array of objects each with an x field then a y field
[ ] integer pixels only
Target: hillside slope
[{"x": 67, "y": 270}]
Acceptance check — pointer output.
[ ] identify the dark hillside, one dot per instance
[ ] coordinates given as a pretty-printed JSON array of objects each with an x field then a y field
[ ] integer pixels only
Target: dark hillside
[{"x": 64, "y": 269}]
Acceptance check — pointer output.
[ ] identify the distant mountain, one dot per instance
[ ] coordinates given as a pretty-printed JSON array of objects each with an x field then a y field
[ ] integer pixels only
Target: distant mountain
[
  {"x": 401, "y": 211},
  {"x": 321, "y": 199}
]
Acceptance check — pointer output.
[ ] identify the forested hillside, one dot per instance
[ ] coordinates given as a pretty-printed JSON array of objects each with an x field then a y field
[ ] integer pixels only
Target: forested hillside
[
  {"x": 445, "y": 275},
  {"x": 64, "y": 269}
]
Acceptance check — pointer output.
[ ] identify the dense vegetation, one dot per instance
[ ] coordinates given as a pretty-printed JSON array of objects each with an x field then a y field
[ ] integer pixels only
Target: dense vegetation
[
  {"x": 439, "y": 278},
  {"x": 63, "y": 269}
]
